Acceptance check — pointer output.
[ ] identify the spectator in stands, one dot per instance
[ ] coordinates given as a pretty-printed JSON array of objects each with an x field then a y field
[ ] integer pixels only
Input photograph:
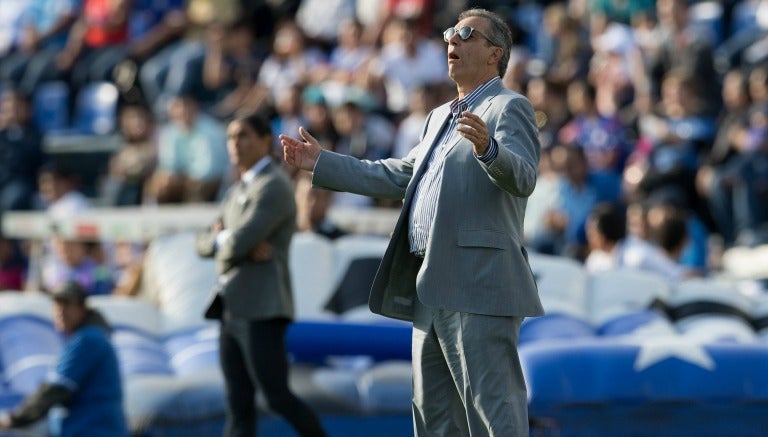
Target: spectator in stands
[
  {"x": 606, "y": 230},
  {"x": 602, "y": 137},
  {"x": 348, "y": 58},
  {"x": 289, "y": 114},
  {"x": 729, "y": 140},
  {"x": 318, "y": 115},
  {"x": 21, "y": 152},
  {"x": 323, "y": 20},
  {"x": 58, "y": 192},
  {"x": 230, "y": 69},
  {"x": 694, "y": 254},
  {"x": 253, "y": 299},
  {"x": 128, "y": 263},
  {"x": 132, "y": 165},
  {"x": 667, "y": 230},
  {"x": 291, "y": 62},
  {"x": 96, "y": 44},
  {"x": 73, "y": 261},
  {"x": 737, "y": 187},
  {"x": 616, "y": 68},
  {"x": 550, "y": 104},
  {"x": 578, "y": 194},
  {"x": 46, "y": 24},
  {"x": 687, "y": 47},
  {"x": 362, "y": 134},
  {"x": 86, "y": 380},
  {"x": 61, "y": 200},
  {"x": 13, "y": 264},
  {"x": 678, "y": 134},
  {"x": 407, "y": 60},
  {"x": 611, "y": 247},
  {"x": 177, "y": 68},
  {"x": 408, "y": 133},
  {"x": 568, "y": 53},
  {"x": 312, "y": 206},
  {"x": 192, "y": 162},
  {"x": 11, "y": 25},
  {"x": 545, "y": 198}
]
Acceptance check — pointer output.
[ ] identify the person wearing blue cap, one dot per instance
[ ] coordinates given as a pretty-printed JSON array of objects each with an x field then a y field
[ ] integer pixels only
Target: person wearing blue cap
[{"x": 86, "y": 380}]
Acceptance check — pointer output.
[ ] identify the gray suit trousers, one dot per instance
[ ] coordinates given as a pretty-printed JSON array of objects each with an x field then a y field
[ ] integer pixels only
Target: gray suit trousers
[{"x": 467, "y": 379}]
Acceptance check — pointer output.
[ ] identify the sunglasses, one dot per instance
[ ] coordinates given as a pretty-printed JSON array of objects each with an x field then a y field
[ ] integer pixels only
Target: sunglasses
[{"x": 464, "y": 33}]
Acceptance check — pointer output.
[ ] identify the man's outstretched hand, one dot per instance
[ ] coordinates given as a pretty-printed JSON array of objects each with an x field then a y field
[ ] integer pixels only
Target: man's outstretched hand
[{"x": 301, "y": 153}]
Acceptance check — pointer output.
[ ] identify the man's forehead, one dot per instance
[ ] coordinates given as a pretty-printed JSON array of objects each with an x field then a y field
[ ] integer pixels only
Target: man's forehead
[{"x": 476, "y": 22}]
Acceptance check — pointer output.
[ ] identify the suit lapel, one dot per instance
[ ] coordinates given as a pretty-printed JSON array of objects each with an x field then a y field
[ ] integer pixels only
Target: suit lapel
[
  {"x": 484, "y": 102},
  {"x": 432, "y": 136}
]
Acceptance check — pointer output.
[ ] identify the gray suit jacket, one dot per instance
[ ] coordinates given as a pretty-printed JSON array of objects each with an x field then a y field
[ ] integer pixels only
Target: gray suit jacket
[
  {"x": 264, "y": 210},
  {"x": 475, "y": 261}
]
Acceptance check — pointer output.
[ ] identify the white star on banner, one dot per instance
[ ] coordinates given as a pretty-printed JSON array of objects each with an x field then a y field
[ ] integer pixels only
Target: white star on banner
[{"x": 659, "y": 348}]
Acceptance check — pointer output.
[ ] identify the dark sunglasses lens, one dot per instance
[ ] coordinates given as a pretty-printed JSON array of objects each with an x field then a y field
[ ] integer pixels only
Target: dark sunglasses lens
[{"x": 465, "y": 32}]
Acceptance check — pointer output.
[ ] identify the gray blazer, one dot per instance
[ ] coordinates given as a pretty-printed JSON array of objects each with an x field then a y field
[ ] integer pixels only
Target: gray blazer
[
  {"x": 475, "y": 261},
  {"x": 264, "y": 210}
]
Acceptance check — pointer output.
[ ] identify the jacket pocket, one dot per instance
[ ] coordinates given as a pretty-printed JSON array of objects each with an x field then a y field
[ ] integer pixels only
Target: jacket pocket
[{"x": 481, "y": 238}]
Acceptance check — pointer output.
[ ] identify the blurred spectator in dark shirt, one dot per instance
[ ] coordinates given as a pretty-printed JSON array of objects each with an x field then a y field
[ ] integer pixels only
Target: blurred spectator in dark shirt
[
  {"x": 177, "y": 68},
  {"x": 737, "y": 188},
  {"x": 685, "y": 46},
  {"x": 675, "y": 137},
  {"x": 132, "y": 165},
  {"x": 21, "y": 152},
  {"x": 231, "y": 68}
]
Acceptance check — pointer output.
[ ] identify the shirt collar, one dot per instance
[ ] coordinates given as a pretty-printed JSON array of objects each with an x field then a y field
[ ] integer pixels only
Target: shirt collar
[
  {"x": 458, "y": 106},
  {"x": 249, "y": 175}
]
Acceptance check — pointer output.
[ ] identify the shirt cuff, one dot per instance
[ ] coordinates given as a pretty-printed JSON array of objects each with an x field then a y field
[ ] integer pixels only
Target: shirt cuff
[
  {"x": 490, "y": 154},
  {"x": 221, "y": 237}
]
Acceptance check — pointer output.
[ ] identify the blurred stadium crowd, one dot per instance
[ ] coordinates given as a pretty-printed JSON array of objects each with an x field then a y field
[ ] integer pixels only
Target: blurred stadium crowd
[{"x": 653, "y": 115}]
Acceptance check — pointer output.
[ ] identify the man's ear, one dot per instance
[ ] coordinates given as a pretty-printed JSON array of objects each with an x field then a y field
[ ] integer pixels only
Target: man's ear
[{"x": 493, "y": 59}]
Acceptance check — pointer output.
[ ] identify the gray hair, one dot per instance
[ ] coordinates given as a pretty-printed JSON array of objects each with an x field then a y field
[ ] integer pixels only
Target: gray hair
[{"x": 498, "y": 34}]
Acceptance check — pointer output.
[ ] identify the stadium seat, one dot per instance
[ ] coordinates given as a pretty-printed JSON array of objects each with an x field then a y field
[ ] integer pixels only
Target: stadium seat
[
  {"x": 193, "y": 351},
  {"x": 554, "y": 326},
  {"x": 562, "y": 284},
  {"x": 711, "y": 310},
  {"x": 387, "y": 387},
  {"x": 29, "y": 348},
  {"x": 647, "y": 323},
  {"x": 356, "y": 259},
  {"x": 96, "y": 109},
  {"x": 615, "y": 292},
  {"x": 177, "y": 281},
  {"x": 50, "y": 106},
  {"x": 311, "y": 262}
]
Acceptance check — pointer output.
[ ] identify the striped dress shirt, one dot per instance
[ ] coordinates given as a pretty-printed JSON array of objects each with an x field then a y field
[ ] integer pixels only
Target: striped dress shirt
[{"x": 424, "y": 204}]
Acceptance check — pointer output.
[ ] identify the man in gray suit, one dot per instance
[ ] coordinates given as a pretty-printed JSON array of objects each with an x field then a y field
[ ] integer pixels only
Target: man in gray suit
[
  {"x": 455, "y": 264},
  {"x": 254, "y": 302}
]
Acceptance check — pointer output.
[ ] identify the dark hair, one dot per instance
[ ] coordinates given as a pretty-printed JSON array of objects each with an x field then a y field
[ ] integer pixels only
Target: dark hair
[
  {"x": 70, "y": 291},
  {"x": 671, "y": 232},
  {"x": 610, "y": 221},
  {"x": 257, "y": 122},
  {"x": 498, "y": 34}
]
